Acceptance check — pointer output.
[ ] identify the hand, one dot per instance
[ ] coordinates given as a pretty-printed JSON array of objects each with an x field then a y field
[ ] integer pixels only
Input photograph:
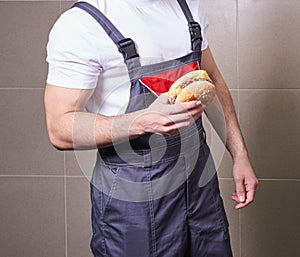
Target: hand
[
  {"x": 245, "y": 183},
  {"x": 161, "y": 117}
]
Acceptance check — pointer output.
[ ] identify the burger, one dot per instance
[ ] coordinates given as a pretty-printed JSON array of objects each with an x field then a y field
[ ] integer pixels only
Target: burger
[{"x": 195, "y": 85}]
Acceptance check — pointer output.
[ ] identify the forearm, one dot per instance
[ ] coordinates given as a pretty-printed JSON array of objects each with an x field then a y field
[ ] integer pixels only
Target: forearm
[
  {"x": 83, "y": 130},
  {"x": 233, "y": 136},
  {"x": 70, "y": 127},
  {"x": 234, "y": 139}
]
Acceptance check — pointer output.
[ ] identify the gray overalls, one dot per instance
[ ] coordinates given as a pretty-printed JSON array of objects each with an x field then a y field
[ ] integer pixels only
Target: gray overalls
[{"x": 146, "y": 197}]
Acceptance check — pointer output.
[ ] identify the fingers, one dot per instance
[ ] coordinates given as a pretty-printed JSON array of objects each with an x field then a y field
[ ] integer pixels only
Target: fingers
[
  {"x": 247, "y": 197},
  {"x": 240, "y": 190},
  {"x": 163, "y": 98},
  {"x": 185, "y": 119},
  {"x": 166, "y": 118},
  {"x": 177, "y": 107}
]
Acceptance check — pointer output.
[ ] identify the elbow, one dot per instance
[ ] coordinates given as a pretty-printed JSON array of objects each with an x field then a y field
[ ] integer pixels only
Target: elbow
[
  {"x": 59, "y": 146},
  {"x": 58, "y": 143}
]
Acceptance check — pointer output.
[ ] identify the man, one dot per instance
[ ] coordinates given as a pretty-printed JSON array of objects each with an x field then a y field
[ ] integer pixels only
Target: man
[{"x": 146, "y": 197}]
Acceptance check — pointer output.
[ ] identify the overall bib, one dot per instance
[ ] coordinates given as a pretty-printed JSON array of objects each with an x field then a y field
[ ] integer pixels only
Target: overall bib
[{"x": 147, "y": 199}]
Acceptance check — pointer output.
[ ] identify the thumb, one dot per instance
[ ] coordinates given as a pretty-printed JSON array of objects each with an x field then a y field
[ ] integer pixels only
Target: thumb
[
  {"x": 240, "y": 190},
  {"x": 163, "y": 98}
]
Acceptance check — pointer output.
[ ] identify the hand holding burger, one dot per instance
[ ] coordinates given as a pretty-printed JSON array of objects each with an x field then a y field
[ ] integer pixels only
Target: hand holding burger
[{"x": 195, "y": 85}]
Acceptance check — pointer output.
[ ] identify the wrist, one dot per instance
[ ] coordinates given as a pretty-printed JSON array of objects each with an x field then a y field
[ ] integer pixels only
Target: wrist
[
  {"x": 240, "y": 156},
  {"x": 137, "y": 124}
]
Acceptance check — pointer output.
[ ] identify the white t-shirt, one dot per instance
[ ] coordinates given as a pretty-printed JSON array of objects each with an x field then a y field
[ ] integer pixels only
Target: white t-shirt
[{"x": 81, "y": 55}]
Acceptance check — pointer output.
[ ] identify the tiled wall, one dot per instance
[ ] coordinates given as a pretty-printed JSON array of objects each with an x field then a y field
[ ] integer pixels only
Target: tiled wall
[
  {"x": 44, "y": 194},
  {"x": 256, "y": 44}
]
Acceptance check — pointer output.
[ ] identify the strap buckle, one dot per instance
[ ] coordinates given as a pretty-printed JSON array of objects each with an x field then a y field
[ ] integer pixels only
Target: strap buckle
[
  {"x": 127, "y": 48},
  {"x": 195, "y": 31}
]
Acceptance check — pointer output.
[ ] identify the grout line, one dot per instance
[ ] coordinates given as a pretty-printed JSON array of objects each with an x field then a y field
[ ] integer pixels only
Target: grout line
[
  {"x": 269, "y": 89},
  {"x": 33, "y": 176},
  {"x": 231, "y": 89},
  {"x": 264, "y": 89},
  {"x": 240, "y": 233},
  {"x": 238, "y": 107},
  {"x": 88, "y": 177},
  {"x": 44, "y": 176},
  {"x": 279, "y": 179},
  {"x": 19, "y": 88},
  {"x": 65, "y": 200},
  {"x": 237, "y": 58},
  {"x": 223, "y": 178},
  {"x": 28, "y": 1},
  {"x": 270, "y": 179},
  {"x": 238, "y": 104}
]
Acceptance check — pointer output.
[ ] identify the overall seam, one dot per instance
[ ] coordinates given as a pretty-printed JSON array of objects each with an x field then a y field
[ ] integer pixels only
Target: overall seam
[
  {"x": 187, "y": 167},
  {"x": 106, "y": 207},
  {"x": 216, "y": 206},
  {"x": 112, "y": 190},
  {"x": 164, "y": 66},
  {"x": 151, "y": 209}
]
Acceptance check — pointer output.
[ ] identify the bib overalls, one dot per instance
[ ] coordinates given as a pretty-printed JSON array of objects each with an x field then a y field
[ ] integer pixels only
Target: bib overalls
[{"x": 147, "y": 199}]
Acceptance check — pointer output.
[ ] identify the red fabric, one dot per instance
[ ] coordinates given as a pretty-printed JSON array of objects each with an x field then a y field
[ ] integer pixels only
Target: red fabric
[{"x": 161, "y": 82}]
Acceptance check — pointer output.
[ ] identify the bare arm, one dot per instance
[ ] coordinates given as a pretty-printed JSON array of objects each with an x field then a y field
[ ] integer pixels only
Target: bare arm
[
  {"x": 70, "y": 127},
  {"x": 234, "y": 140},
  {"x": 243, "y": 173}
]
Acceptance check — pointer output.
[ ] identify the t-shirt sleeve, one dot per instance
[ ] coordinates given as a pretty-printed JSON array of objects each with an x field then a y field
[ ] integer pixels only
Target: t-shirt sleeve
[
  {"x": 72, "y": 62},
  {"x": 204, "y": 33}
]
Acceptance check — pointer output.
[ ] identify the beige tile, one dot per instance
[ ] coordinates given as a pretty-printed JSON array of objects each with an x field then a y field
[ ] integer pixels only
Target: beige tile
[
  {"x": 225, "y": 166},
  {"x": 271, "y": 225},
  {"x": 222, "y": 37},
  {"x": 32, "y": 217},
  {"x": 65, "y": 5},
  {"x": 24, "y": 29},
  {"x": 79, "y": 229},
  {"x": 218, "y": 150},
  {"x": 24, "y": 141},
  {"x": 226, "y": 188},
  {"x": 269, "y": 35},
  {"x": 222, "y": 158},
  {"x": 271, "y": 124},
  {"x": 80, "y": 163}
]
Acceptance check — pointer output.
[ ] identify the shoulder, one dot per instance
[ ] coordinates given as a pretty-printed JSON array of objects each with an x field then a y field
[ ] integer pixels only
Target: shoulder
[
  {"x": 72, "y": 53},
  {"x": 75, "y": 36},
  {"x": 73, "y": 24}
]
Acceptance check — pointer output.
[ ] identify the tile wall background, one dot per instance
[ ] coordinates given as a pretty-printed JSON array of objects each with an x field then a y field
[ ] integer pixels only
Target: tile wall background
[{"x": 44, "y": 194}]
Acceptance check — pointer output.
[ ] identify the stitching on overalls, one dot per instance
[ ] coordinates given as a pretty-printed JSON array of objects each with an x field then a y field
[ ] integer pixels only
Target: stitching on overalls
[
  {"x": 112, "y": 190},
  {"x": 186, "y": 170},
  {"x": 107, "y": 205},
  {"x": 152, "y": 218},
  {"x": 153, "y": 68},
  {"x": 214, "y": 180},
  {"x": 186, "y": 167}
]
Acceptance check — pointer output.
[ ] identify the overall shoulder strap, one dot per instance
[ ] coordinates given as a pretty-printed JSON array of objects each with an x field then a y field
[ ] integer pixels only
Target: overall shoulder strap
[
  {"x": 125, "y": 45},
  {"x": 194, "y": 27}
]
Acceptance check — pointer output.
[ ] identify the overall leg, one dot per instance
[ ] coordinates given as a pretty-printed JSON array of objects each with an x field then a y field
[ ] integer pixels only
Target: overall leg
[
  {"x": 207, "y": 223},
  {"x": 155, "y": 227}
]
